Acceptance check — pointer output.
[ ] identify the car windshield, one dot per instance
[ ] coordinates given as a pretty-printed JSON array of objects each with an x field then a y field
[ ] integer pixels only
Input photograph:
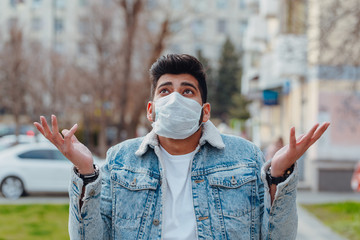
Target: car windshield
[{"x": 42, "y": 154}]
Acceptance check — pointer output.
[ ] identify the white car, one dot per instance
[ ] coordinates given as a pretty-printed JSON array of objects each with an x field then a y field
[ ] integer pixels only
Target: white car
[
  {"x": 10, "y": 140},
  {"x": 34, "y": 167}
]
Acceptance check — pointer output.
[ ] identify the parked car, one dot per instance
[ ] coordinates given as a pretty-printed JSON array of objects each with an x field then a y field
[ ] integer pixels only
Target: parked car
[
  {"x": 10, "y": 140},
  {"x": 34, "y": 167},
  {"x": 355, "y": 180},
  {"x": 10, "y": 129}
]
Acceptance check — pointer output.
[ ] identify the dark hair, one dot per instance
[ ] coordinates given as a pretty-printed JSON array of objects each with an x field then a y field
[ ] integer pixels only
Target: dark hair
[{"x": 179, "y": 64}]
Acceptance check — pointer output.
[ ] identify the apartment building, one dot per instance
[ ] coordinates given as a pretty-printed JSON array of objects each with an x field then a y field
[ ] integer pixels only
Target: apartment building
[
  {"x": 291, "y": 84},
  {"x": 197, "y": 24}
]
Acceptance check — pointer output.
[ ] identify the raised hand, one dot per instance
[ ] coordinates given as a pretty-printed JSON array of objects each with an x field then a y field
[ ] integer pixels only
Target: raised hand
[
  {"x": 289, "y": 154},
  {"x": 68, "y": 145}
]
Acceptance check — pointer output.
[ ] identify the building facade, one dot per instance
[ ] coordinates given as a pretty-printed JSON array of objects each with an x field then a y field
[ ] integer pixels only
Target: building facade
[
  {"x": 196, "y": 24},
  {"x": 291, "y": 83}
]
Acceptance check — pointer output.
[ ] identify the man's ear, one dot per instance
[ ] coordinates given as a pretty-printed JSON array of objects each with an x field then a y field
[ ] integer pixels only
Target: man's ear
[
  {"x": 206, "y": 112},
  {"x": 150, "y": 114}
]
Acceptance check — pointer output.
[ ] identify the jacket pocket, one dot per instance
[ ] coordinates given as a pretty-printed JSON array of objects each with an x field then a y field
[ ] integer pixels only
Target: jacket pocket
[
  {"x": 134, "y": 192},
  {"x": 234, "y": 191}
]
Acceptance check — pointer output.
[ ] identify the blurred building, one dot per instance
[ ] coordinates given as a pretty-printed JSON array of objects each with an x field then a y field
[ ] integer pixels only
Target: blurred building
[
  {"x": 53, "y": 24},
  {"x": 196, "y": 24},
  {"x": 291, "y": 84}
]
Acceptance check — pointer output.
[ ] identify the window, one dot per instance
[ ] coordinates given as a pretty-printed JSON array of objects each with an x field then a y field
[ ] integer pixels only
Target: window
[
  {"x": 84, "y": 27},
  {"x": 59, "y": 4},
  {"x": 255, "y": 58},
  {"x": 151, "y": 4},
  {"x": 176, "y": 4},
  {"x": 242, "y": 4},
  {"x": 13, "y": 3},
  {"x": 200, "y": 5},
  {"x": 243, "y": 24},
  {"x": 36, "y": 24},
  {"x": 43, "y": 154},
  {"x": 83, "y": 3},
  {"x": 198, "y": 27},
  {"x": 58, "y": 155},
  {"x": 37, "y": 154},
  {"x": 221, "y": 4},
  {"x": 221, "y": 26},
  {"x": 58, "y": 25},
  {"x": 36, "y": 3},
  {"x": 58, "y": 47}
]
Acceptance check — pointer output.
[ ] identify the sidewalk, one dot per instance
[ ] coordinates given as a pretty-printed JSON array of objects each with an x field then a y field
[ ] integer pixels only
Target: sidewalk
[{"x": 309, "y": 227}]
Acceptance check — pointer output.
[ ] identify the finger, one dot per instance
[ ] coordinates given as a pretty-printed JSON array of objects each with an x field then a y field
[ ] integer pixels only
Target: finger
[
  {"x": 319, "y": 132},
  {"x": 300, "y": 138},
  {"x": 45, "y": 126},
  {"x": 54, "y": 123},
  {"x": 292, "y": 138},
  {"x": 307, "y": 138},
  {"x": 39, "y": 127},
  {"x": 73, "y": 138},
  {"x": 55, "y": 129},
  {"x": 68, "y": 134}
]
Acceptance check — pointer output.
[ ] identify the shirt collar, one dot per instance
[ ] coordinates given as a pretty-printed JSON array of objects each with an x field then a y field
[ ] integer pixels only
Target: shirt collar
[{"x": 210, "y": 134}]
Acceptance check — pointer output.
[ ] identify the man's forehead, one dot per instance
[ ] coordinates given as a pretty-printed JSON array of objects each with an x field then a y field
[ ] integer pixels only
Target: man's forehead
[{"x": 177, "y": 79}]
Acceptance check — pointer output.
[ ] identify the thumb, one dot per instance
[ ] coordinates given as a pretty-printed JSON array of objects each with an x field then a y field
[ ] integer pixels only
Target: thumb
[
  {"x": 69, "y": 134},
  {"x": 64, "y": 132}
]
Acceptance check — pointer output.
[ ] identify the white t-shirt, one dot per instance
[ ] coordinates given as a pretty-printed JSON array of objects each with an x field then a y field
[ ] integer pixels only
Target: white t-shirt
[{"x": 179, "y": 216}]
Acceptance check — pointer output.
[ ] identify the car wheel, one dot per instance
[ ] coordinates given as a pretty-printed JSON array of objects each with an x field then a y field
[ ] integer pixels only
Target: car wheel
[{"x": 12, "y": 187}]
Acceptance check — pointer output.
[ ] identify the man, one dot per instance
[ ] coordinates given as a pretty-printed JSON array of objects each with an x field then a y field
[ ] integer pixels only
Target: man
[{"x": 184, "y": 180}]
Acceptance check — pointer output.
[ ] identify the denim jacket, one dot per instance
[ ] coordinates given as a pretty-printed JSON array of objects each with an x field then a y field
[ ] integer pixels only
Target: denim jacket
[{"x": 230, "y": 193}]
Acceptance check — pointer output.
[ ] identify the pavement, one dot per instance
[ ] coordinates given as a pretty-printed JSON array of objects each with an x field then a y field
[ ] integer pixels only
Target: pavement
[{"x": 309, "y": 227}]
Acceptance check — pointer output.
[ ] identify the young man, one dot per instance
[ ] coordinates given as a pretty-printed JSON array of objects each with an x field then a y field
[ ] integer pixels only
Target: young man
[{"x": 184, "y": 180}]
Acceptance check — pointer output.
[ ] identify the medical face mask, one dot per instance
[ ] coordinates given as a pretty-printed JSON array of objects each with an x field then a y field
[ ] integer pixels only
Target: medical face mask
[{"x": 176, "y": 116}]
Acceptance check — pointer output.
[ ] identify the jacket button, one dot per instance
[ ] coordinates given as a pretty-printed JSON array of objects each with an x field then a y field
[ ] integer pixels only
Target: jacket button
[
  {"x": 156, "y": 222},
  {"x": 133, "y": 183},
  {"x": 233, "y": 180}
]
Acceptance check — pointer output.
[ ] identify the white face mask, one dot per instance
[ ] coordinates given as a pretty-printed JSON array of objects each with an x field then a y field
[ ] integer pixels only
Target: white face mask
[{"x": 177, "y": 117}]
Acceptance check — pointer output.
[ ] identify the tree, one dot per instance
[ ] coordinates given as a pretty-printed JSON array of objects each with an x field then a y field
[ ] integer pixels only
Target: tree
[
  {"x": 211, "y": 84},
  {"x": 13, "y": 68},
  {"x": 227, "y": 101},
  {"x": 123, "y": 48},
  {"x": 339, "y": 33}
]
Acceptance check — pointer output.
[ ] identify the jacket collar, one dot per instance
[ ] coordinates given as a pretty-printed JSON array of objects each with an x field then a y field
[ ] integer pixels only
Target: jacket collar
[{"x": 210, "y": 134}]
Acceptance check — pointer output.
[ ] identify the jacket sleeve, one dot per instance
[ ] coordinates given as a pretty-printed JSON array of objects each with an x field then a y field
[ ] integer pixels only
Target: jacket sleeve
[
  {"x": 279, "y": 220},
  {"x": 93, "y": 220}
]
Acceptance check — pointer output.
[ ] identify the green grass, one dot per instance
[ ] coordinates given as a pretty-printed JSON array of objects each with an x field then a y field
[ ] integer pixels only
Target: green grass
[
  {"x": 343, "y": 218},
  {"x": 34, "y": 222}
]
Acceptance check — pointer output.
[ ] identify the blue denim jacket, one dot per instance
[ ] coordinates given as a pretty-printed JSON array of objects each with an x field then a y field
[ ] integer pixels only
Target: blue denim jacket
[{"x": 230, "y": 194}]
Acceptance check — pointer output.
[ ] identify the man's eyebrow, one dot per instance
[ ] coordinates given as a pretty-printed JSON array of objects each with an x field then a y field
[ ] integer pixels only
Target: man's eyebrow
[
  {"x": 189, "y": 84},
  {"x": 165, "y": 84}
]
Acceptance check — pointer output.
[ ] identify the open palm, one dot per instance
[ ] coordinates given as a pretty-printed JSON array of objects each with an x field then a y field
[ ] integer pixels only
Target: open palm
[
  {"x": 68, "y": 145},
  {"x": 289, "y": 154}
]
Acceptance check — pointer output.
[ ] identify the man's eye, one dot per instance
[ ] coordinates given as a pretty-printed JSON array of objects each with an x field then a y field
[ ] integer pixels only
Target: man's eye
[
  {"x": 188, "y": 91},
  {"x": 164, "y": 91}
]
